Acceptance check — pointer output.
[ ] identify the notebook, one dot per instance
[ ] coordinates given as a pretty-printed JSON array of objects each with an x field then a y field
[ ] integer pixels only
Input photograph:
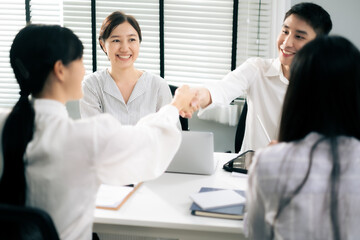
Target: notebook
[
  {"x": 195, "y": 154},
  {"x": 228, "y": 212},
  {"x": 112, "y": 197}
]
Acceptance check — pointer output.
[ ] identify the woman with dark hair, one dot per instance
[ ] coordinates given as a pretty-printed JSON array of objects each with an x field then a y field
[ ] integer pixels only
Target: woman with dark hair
[
  {"x": 307, "y": 186},
  {"x": 57, "y": 164},
  {"x": 122, "y": 90}
]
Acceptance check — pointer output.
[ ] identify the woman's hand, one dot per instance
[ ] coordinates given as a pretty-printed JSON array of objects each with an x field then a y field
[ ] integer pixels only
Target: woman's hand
[{"x": 186, "y": 101}]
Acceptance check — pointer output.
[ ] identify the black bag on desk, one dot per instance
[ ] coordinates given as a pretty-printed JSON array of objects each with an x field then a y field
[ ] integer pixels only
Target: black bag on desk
[{"x": 240, "y": 163}]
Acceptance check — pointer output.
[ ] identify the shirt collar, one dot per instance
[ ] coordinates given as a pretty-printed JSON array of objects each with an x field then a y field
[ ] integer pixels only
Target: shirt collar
[
  {"x": 50, "y": 106},
  {"x": 276, "y": 71},
  {"x": 111, "y": 88}
]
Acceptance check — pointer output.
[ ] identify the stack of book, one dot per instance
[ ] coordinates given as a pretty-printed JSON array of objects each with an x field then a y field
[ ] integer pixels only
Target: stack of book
[{"x": 219, "y": 203}]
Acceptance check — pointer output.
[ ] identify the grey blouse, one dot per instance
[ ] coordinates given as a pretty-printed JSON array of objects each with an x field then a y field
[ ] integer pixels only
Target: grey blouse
[
  {"x": 279, "y": 169},
  {"x": 101, "y": 95}
]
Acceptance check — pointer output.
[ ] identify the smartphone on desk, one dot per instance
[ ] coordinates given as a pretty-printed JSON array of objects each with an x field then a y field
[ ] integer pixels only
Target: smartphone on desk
[{"x": 240, "y": 163}]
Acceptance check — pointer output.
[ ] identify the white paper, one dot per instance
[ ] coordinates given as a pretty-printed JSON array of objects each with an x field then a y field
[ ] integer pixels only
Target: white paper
[
  {"x": 111, "y": 196},
  {"x": 240, "y": 175},
  {"x": 214, "y": 199}
]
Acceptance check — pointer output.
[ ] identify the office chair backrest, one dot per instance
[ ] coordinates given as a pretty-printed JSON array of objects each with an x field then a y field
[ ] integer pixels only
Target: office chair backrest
[
  {"x": 240, "y": 130},
  {"x": 183, "y": 121},
  {"x": 26, "y": 223}
]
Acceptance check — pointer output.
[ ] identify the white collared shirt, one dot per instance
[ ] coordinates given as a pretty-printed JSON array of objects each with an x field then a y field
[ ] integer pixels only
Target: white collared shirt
[
  {"x": 102, "y": 95},
  {"x": 264, "y": 85},
  {"x": 67, "y": 160}
]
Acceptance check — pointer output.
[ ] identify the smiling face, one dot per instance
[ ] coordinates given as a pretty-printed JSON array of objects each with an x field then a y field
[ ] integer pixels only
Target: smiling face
[
  {"x": 295, "y": 33},
  {"x": 122, "y": 46}
]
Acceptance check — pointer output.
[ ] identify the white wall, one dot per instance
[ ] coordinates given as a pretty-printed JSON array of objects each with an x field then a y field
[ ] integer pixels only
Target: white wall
[{"x": 344, "y": 15}]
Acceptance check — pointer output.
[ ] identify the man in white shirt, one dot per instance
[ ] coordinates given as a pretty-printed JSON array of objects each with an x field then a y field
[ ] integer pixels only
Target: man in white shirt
[{"x": 264, "y": 81}]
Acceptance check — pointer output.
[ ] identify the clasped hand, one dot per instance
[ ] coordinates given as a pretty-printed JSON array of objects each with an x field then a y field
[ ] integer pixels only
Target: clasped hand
[{"x": 186, "y": 101}]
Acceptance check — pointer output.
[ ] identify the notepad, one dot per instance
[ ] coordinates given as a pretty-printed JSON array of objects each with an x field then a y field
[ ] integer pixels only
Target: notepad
[
  {"x": 113, "y": 197},
  {"x": 215, "y": 199}
]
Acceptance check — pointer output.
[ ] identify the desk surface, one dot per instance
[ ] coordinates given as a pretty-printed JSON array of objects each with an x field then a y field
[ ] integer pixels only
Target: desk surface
[{"x": 164, "y": 203}]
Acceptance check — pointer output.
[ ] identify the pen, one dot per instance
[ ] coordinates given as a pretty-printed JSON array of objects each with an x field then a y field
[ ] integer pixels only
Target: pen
[{"x": 262, "y": 126}]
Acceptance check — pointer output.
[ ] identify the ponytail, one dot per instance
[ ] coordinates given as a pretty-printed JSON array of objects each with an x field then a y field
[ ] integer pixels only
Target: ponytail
[{"x": 17, "y": 133}]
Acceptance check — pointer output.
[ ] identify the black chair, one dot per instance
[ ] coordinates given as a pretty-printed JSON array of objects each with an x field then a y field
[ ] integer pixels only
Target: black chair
[
  {"x": 26, "y": 223},
  {"x": 183, "y": 121},
  {"x": 240, "y": 130}
]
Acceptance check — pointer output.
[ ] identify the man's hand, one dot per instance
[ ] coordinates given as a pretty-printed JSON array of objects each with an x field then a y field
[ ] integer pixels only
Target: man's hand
[
  {"x": 186, "y": 101},
  {"x": 201, "y": 100}
]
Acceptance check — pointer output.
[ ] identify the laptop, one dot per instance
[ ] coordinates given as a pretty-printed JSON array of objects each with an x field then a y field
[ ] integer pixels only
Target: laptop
[{"x": 195, "y": 154}]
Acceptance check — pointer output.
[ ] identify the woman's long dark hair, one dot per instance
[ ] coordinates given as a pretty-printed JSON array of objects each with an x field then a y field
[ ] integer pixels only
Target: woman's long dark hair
[
  {"x": 324, "y": 97},
  {"x": 33, "y": 54}
]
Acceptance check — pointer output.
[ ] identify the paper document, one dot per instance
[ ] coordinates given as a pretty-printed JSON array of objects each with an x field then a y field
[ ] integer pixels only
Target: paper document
[
  {"x": 112, "y": 197},
  {"x": 214, "y": 199}
]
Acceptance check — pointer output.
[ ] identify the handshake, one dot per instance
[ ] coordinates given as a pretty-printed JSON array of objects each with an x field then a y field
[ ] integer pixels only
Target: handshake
[{"x": 188, "y": 100}]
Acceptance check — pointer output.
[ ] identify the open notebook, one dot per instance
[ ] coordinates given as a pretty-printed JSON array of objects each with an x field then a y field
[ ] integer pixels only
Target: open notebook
[
  {"x": 195, "y": 154},
  {"x": 112, "y": 197}
]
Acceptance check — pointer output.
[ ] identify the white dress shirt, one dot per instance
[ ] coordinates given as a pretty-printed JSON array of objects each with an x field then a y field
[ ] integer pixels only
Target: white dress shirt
[
  {"x": 281, "y": 168},
  {"x": 67, "y": 160},
  {"x": 264, "y": 85},
  {"x": 102, "y": 95}
]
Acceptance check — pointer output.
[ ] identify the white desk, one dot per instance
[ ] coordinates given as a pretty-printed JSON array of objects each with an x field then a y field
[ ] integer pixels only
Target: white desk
[{"x": 159, "y": 209}]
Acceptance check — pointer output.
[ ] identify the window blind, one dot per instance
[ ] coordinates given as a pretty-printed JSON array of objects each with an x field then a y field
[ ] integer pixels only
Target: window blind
[
  {"x": 146, "y": 13},
  {"x": 77, "y": 17},
  {"x": 197, "y": 34},
  {"x": 198, "y": 39},
  {"x": 46, "y": 12},
  {"x": 12, "y": 19},
  {"x": 254, "y": 29},
  {"x": 74, "y": 14}
]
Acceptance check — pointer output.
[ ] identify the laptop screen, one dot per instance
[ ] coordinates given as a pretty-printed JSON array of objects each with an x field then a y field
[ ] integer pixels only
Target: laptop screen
[{"x": 195, "y": 154}]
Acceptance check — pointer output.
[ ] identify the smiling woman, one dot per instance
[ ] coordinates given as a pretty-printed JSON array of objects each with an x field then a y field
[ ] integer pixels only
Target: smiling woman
[
  {"x": 122, "y": 90},
  {"x": 122, "y": 48}
]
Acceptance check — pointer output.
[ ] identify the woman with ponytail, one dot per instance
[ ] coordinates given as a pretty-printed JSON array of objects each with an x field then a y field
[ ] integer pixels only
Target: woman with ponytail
[
  {"x": 57, "y": 164},
  {"x": 307, "y": 185}
]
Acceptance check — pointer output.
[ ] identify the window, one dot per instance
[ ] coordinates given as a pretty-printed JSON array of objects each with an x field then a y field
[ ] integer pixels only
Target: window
[
  {"x": 74, "y": 14},
  {"x": 254, "y": 29},
  {"x": 48, "y": 12},
  {"x": 77, "y": 17},
  {"x": 12, "y": 19},
  {"x": 198, "y": 38},
  {"x": 185, "y": 41}
]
